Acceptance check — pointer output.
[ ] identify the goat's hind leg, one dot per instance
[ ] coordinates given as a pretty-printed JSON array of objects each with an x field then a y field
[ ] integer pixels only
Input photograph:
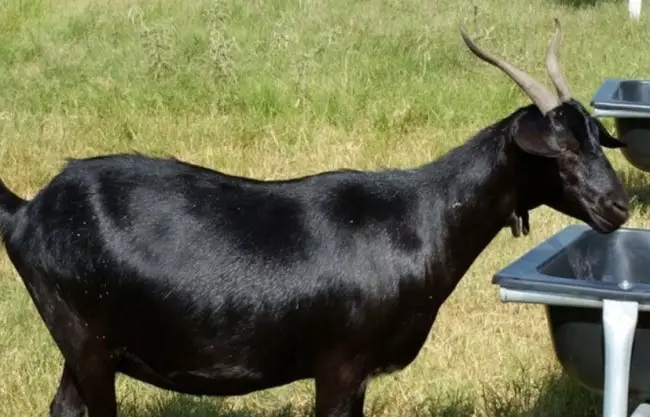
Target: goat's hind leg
[
  {"x": 88, "y": 382},
  {"x": 89, "y": 373},
  {"x": 67, "y": 401},
  {"x": 93, "y": 374}
]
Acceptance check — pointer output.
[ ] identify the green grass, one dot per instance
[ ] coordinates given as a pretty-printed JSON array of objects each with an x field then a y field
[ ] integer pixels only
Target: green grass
[{"x": 283, "y": 88}]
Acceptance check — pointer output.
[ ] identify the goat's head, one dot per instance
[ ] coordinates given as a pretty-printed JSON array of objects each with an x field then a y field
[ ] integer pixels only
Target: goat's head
[{"x": 563, "y": 165}]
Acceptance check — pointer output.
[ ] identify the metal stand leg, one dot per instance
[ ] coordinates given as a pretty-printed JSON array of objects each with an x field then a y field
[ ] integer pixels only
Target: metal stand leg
[
  {"x": 619, "y": 322},
  {"x": 634, "y": 9}
]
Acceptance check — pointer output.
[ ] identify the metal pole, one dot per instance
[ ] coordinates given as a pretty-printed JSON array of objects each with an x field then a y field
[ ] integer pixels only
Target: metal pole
[{"x": 619, "y": 324}]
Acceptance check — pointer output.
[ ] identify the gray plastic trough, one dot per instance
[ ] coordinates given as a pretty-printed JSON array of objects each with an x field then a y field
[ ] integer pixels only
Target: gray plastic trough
[
  {"x": 628, "y": 102},
  {"x": 596, "y": 292}
]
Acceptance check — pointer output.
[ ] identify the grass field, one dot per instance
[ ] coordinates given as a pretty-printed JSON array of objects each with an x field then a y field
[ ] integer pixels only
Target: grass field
[{"x": 274, "y": 89}]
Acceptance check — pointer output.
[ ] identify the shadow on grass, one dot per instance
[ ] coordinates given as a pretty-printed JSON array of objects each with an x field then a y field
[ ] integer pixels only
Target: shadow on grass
[
  {"x": 177, "y": 405},
  {"x": 580, "y": 4},
  {"x": 552, "y": 396},
  {"x": 555, "y": 395}
]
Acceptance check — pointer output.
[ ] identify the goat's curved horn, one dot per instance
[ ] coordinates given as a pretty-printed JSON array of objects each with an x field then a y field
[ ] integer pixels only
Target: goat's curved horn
[
  {"x": 553, "y": 66},
  {"x": 543, "y": 98}
]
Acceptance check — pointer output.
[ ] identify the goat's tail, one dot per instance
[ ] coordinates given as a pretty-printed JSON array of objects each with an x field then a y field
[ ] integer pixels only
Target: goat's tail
[{"x": 10, "y": 203}]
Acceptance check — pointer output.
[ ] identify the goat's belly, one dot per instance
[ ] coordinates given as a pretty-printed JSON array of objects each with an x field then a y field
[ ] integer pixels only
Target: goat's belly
[
  {"x": 192, "y": 354},
  {"x": 201, "y": 374},
  {"x": 218, "y": 381}
]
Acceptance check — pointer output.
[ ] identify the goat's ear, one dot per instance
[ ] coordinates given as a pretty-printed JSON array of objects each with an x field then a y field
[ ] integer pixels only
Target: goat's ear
[
  {"x": 610, "y": 142},
  {"x": 605, "y": 139},
  {"x": 536, "y": 136}
]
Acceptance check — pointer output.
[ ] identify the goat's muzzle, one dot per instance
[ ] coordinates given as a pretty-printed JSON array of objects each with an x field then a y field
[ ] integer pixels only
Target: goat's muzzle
[{"x": 609, "y": 214}]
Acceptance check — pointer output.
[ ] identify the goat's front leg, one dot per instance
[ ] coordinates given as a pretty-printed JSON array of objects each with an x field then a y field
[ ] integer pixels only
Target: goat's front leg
[
  {"x": 340, "y": 393},
  {"x": 67, "y": 402}
]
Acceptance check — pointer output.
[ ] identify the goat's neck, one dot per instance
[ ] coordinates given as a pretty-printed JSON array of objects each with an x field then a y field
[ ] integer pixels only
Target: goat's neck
[{"x": 472, "y": 194}]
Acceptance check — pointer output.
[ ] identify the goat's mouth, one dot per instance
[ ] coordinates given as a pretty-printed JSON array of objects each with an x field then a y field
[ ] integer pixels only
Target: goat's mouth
[{"x": 607, "y": 220}]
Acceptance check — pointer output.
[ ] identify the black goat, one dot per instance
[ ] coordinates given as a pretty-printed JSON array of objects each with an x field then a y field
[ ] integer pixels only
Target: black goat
[{"x": 209, "y": 284}]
